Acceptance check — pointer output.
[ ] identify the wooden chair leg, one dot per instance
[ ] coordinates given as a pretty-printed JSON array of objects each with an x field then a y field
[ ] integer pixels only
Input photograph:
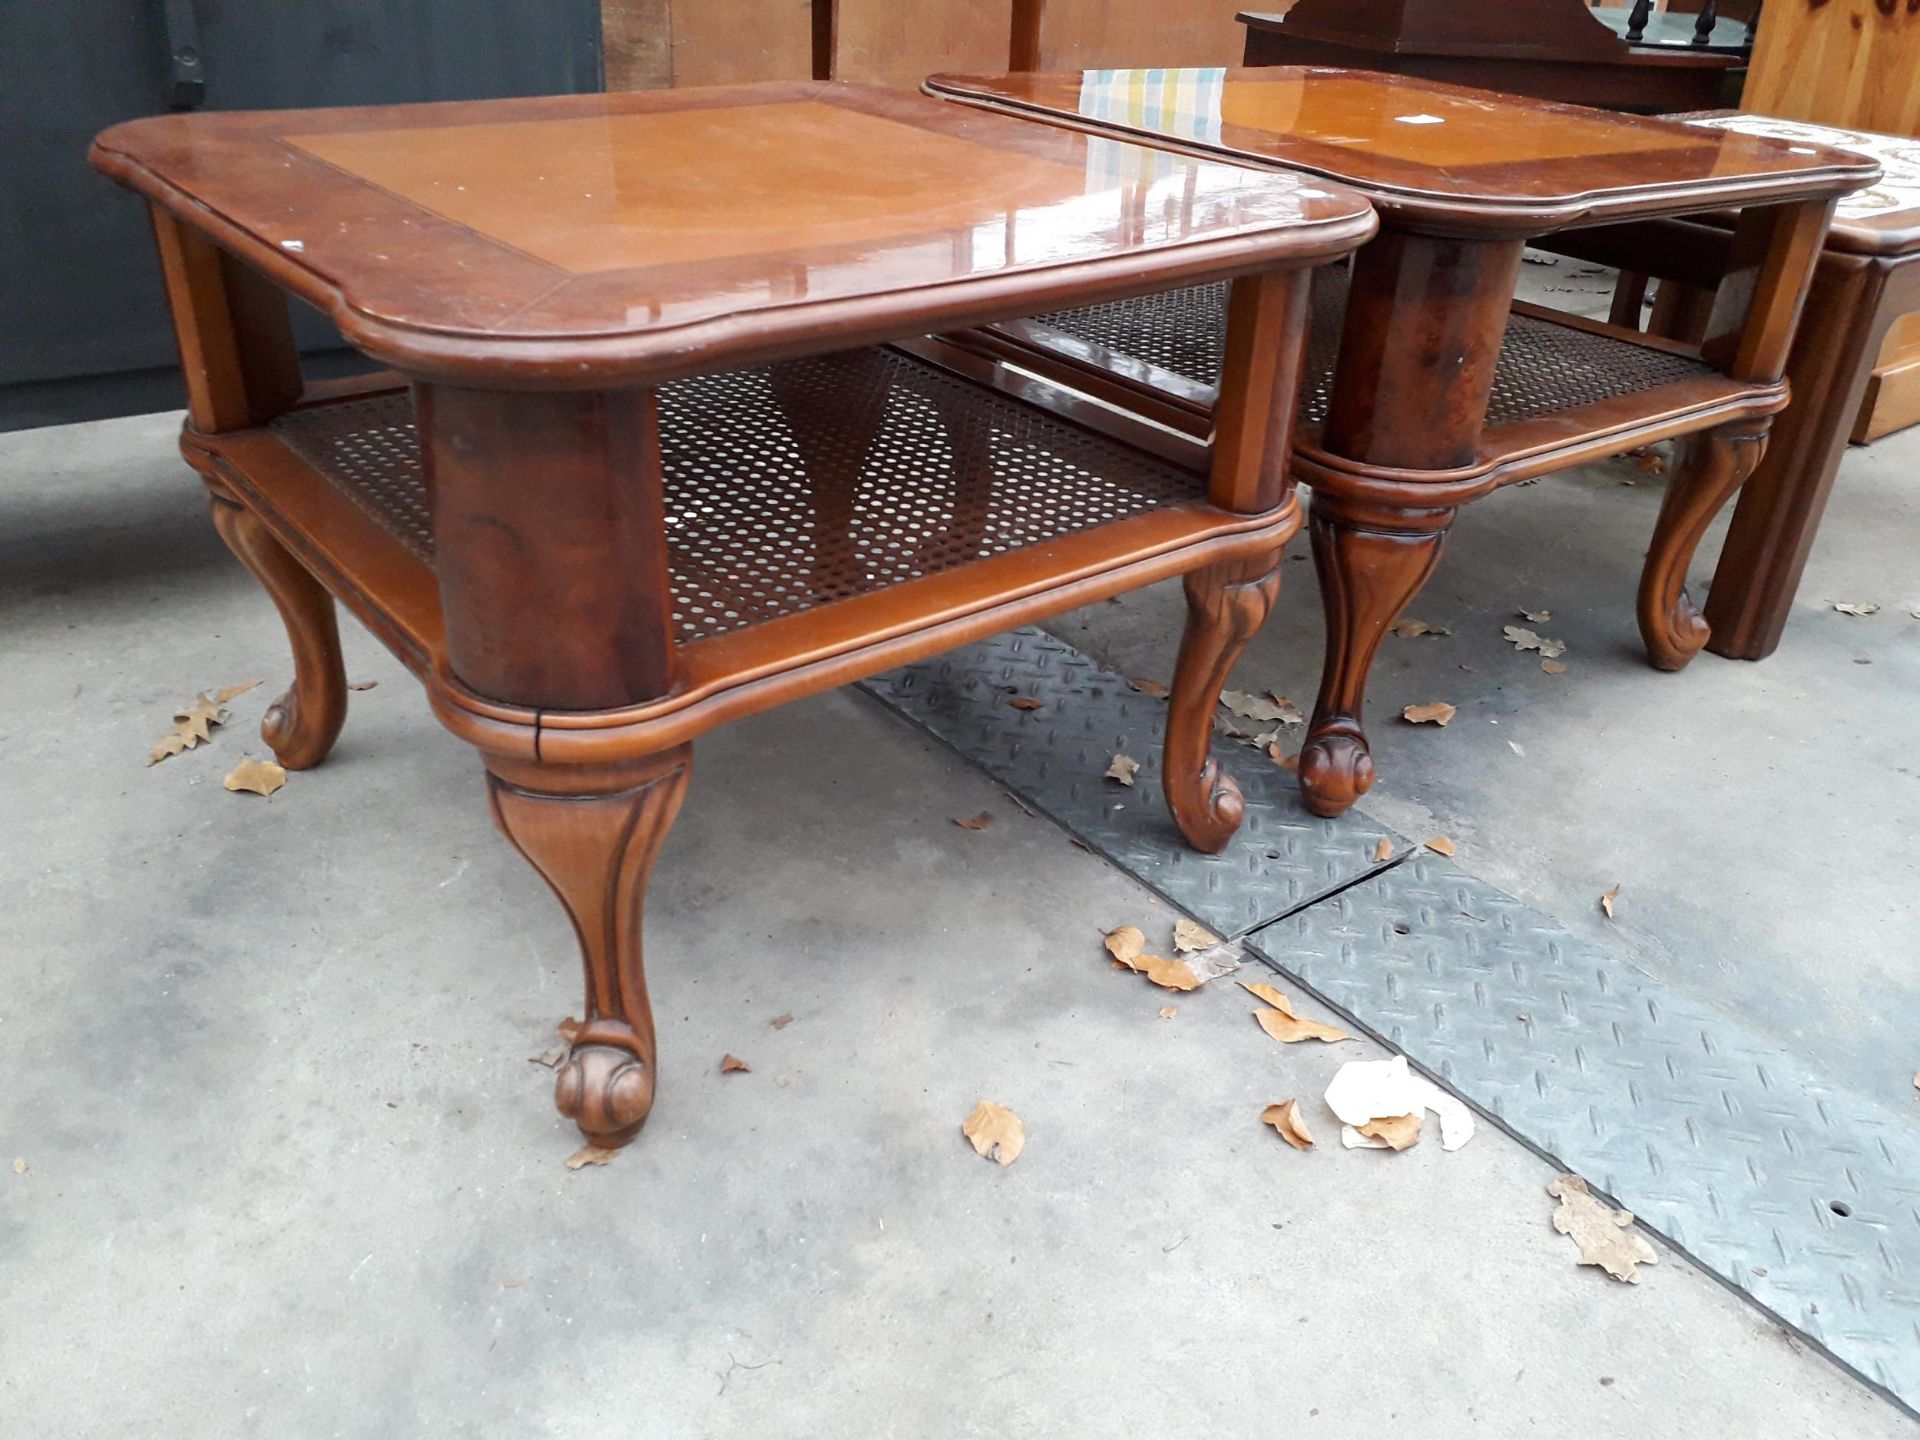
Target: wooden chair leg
[
  {"x": 1226, "y": 605},
  {"x": 1629, "y": 299},
  {"x": 303, "y": 723},
  {"x": 1711, "y": 470},
  {"x": 1369, "y": 568},
  {"x": 593, "y": 833}
]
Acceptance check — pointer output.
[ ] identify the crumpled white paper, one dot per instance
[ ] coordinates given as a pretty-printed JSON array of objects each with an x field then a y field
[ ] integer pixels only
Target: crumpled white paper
[{"x": 1363, "y": 1090}]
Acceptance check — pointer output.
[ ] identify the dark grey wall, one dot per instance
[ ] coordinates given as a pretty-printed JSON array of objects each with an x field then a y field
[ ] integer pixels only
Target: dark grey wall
[{"x": 79, "y": 286}]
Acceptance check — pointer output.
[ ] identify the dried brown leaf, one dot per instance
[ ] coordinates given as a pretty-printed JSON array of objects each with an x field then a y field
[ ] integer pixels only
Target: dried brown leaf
[
  {"x": 734, "y": 1065},
  {"x": 1192, "y": 935},
  {"x": 1282, "y": 1024},
  {"x": 1126, "y": 944},
  {"x": 168, "y": 745},
  {"x": 198, "y": 718},
  {"x": 1440, "y": 845},
  {"x": 1290, "y": 1029},
  {"x": 1287, "y": 1124},
  {"x": 589, "y": 1155},
  {"x": 1608, "y": 900},
  {"x": 1856, "y": 607},
  {"x": 1383, "y": 850},
  {"x": 1410, "y": 629},
  {"x": 1122, "y": 768},
  {"x": 220, "y": 697},
  {"x": 996, "y": 1132},
  {"x": 780, "y": 1022},
  {"x": 1268, "y": 707},
  {"x": 1026, "y": 702},
  {"x": 1167, "y": 1012},
  {"x": 1148, "y": 687},
  {"x": 256, "y": 777},
  {"x": 1401, "y": 1132},
  {"x": 1605, "y": 1236},
  {"x": 978, "y": 822},
  {"x": 1536, "y": 617},
  {"x": 1525, "y": 639},
  {"x": 1554, "y": 667},
  {"x": 1438, "y": 713}
]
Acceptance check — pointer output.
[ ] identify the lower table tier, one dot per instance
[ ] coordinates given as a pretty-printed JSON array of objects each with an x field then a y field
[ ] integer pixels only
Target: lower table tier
[
  {"x": 833, "y": 515},
  {"x": 1560, "y": 379}
]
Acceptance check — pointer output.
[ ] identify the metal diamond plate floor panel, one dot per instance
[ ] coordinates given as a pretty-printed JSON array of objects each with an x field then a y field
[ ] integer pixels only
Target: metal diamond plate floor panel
[
  {"x": 1054, "y": 758},
  {"x": 1802, "y": 1195}
]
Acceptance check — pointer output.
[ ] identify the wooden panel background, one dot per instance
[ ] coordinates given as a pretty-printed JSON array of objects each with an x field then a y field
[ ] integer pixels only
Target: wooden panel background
[
  {"x": 657, "y": 44},
  {"x": 653, "y": 44},
  {"x": 1838, "y": 62}
]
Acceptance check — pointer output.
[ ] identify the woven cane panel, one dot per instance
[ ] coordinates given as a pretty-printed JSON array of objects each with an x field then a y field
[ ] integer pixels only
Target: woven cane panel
[
  {"x": 806, "y": 482},
  {"x": 1543, "y": 367}
]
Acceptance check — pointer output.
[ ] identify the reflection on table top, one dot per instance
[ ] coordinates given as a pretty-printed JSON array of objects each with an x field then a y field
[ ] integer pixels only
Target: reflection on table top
[
  {"x": 1427, "y": 150},
  {"x": 598, "y": 216}
]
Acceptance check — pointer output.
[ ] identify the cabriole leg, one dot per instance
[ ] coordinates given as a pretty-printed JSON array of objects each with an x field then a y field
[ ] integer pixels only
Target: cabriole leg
[
  {"x": 1712, "y": 469},
  {"x": 1226, "y": 604},
  {"x": 593, "y": 832},
  {"x": 1369, "y": 570},
  {"x": 303, "y": 723}
]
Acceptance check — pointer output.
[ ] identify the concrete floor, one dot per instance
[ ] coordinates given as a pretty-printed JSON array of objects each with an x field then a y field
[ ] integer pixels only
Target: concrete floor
[
  {"x": 1762, "y": 820},
  {"x": 290, "y": 1171}
]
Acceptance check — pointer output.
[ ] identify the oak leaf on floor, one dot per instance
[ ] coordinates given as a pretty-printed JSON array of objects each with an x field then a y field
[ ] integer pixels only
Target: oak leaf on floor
[
  {"x": 1192, "y": 935},
  {"x": 995, "y": 1132},
  {"x": 1282, "y": 1024},
  {"x": 1122, "y": 768},
  {"x": 978, "y": 822},
  {"x": 1525, "y": 639},
  {"x": 1536, "y": 617},
  {"x": 589, "y": 1155},
  {"x": 1411, "y": 629},
  {"x": 1287, "y": 1124},
  {"x": 1609, "y": 900},
  {"x": 193, "y": 723},
  {"x": 1398, "y": 1132},
  {"x": 1268, "y": 707},
  {"x": 1440, "y": 845},
  {"x": 1383, "y": 850},
  {"x": 1438, "y": 713},
  {"x": 1554, "y": 667},
  {"x": 1148, "y": 687},
  {"x": 256, "y": 777},
  {"x": 734, "y": 1065},
  {"x": 1606, "y": 1237},
  {"x": 1856, "y": 607}
]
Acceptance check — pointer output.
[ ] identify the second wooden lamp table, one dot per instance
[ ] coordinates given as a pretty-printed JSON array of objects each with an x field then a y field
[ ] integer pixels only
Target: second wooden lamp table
[
  {"x": 649, "y": 464},
  {"x": 1427, "y": 385}
]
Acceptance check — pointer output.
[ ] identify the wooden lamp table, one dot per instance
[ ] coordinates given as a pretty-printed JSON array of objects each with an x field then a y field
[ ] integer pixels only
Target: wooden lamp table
[
  {"x": 1867, "y": 277},
  {"x": 649, "y": 462},
  {"x": 1427, "y": 386}
]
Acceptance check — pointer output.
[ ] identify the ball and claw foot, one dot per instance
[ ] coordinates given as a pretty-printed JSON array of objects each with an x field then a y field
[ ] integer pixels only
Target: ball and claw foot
[
  {"x": 604, "y": 1086},
  {"x": 1336, "y": 769}
]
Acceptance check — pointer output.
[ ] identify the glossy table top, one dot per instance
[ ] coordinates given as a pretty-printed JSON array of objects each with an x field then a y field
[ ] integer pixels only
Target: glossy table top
[
  {"x": 1883, "y": 219},
  {"x": 1440, "y": 155},
  {"x": 636, "y": 235}
]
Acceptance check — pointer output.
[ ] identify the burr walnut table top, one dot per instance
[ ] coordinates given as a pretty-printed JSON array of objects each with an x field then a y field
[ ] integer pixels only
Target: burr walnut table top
[
  {"x": 1422, "y": 150},
  {"x": 634, "y": 235}
]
